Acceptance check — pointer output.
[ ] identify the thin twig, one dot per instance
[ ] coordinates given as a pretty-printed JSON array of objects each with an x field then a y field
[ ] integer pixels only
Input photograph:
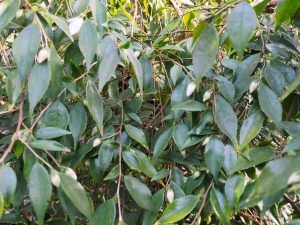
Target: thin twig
[
  {"x": 203, "y": 203},
  {"x": 292, "y": 203}
]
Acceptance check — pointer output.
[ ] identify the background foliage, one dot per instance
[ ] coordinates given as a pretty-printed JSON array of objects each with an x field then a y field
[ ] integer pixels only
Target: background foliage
[{"x": 149, "y": 112}]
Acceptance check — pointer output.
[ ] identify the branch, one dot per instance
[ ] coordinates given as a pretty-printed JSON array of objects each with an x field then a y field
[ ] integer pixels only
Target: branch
[
  {"x": 15, "y": 136},
  {"x": 292, "y": 203}
]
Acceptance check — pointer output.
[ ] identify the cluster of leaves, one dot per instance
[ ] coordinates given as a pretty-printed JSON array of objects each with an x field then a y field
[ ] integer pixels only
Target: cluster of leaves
[{"x": 149, "y": 112}]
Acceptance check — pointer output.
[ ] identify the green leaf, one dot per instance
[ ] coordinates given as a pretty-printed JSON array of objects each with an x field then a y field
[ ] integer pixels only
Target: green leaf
[
  {"x": 214, "y": 156},
  {"x": 261, "y": 6},
  {"x": 220, "y": 206},
  {"x": 99, "y": 14},
  {"x": 106, "y": 213},
  {"x": 205, "y": 51},
  {"x": 8, "y": 183},
  {"x": 8, "y": 11},
  {"x": 162, "y": 142},
  {"x": 226, "y": 88},
  {"x": 234, "y": 188},
  {"x": 95, "y": 103},
  {"x": 178, "y": 209},
  {"x": 270, "y": 104},
  {"x": 56, "y": 73},
  {"x": 105, "y": 155},
  {"x": 60, "y": 22},
  {"x": 285, "y": 10},
  {"x": 293, "y": 145},
  {"x": 24, "y": 49},
  {"x": 160, "y": 175},
  {"x": 56, "y": 116},
  {"x": 109, "y": 60},
  {"x": 75, "y": 192},
  {"x": 79, "y": 6},
  {"x": 137, "y": 134},
  {"x": 255, "y": 156},
  {"x": 113, "y": 173},
  {"x": 230, "y": 158},
  {"x": 77, "y": 126},
  {"x": 1, "y": 205},
  {"x": 274, "y": 77},
  {"x": 189, "y": 105},
  {"x": 179, "y": 94},
  {"x": 277, "y": 175},
  {"x": 137, "y": 68},
  {"x": 180, "y": 135},
  {"x": 40, "y": 190},
  {"x": 251, "y": 127},
  {"x": 88, "y": 42},
  {"x": 38, "y": 83},
  {"x": 49, "y": 145},
  {"x": 241, "y": 25},
  {"x": 50, "y": 132},
  {"x": 226, "y": 119},
  {"x": 13, "y": 86},
  {"x": 139, "y": 192}
]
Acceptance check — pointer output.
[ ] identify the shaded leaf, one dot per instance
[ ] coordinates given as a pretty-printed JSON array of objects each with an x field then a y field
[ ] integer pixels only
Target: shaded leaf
[
  {"x": 77, "y": 126},
  {"x": 8, "y": 183}
]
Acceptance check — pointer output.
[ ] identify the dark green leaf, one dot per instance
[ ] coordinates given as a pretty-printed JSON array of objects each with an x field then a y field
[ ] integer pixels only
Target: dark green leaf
[
  {"x": 49, "y": 145},
  {"x": 106, "y": 213},
  {"x": 162, "y": 142},
  {"x": 189, "y": 105},
  {"x": 214, "y": 156},
  {"x": 77, "y": 126},
  {"x": 234, "y": 188},
  {"x": 8, "y": 11},
  {"x": 137, "y": 134},
  {"x": 285, "y": 10},
  {"x": 8, "y": 183},
  {"x": 50, "y": 132},
  {"x": 220, "y": 206}
]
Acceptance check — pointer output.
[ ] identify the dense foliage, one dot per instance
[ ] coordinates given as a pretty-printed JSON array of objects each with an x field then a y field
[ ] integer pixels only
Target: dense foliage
[{"x": 149, "y": 112}]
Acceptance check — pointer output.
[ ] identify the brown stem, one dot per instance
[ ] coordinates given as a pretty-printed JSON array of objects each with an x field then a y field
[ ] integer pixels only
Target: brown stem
[{"x": 292, "y": 203}]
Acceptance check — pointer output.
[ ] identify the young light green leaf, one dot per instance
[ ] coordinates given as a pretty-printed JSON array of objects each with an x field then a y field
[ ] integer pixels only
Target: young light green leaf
[
  {"x": 205, "y": 51},
  {"x": 88, "y": 42},
  {"x": 38, "y": 83},
  {"x": 8, "y": 11},
  {"x": 50, "y": 132},
  {"x": 137, "y": 134},
  {"x": 24, "y": 49},
  {"x": 109, "y": 60},
  {"x": 234, "y": 188},
  {"x": 137, "y": 68},
  {"x": 106, "y": 213},
  {"x": 285, "y": 10},
  {"x": 270, "y": 103},
  {"x": 139, "y": 192},
  {"x": 220, "y": 206},
  {"x": 189, "y": 105},
  {"x": 178, "y": 209},
  {"x": 241, "y": 25},
  {"x": 214, "y": 156},
  {"x": 8, "y": 183},
  {"x": 48, "y": 145},
  {"x": 226, "y": 119},
  {"x": 77, "y": 126},
  {"x": 255, "y": 156},
  {"x": 162, "y": 142},
  {"x": 77, "y": 195},
  {"x": 95, "y": 103},
  {"x": 251, "y": 127},
  {"x": 39, "y": 191}
]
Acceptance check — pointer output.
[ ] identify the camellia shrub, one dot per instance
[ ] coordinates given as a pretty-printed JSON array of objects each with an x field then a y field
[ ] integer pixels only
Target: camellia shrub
[{"x": 149, "y": 112}]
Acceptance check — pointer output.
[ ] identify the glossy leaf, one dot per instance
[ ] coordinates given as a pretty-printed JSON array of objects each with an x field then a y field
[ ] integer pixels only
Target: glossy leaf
[
  {"x": 274, "y": 78},
  {"x": 139, "y": 192},
  {"x": 50, "y": 132},
  {"x": 285, "y": 10},
  {"x": 106, "y": 213},
  {"x": 162, "y": 142},
  {"x": 8, "y": 11},
  {"x": 226, "y": 119},
  {"x": 214, "y": 156},
  {"x": 76, "y": 194},
  {"x": 77, "y": 126},
  {"x": 24, "y": 49},
  {"x": 39, "y": 190},
  {"x": 178, "y": 209},
  {"x": 95, "y": 103},
  {"x": 205, "y": 51},
  {"x": 234, "y": 188},
  {"x": 137, "y": 135},
  {"x": 190, "y": 105},
  {"x": 88, "y": 42},
  {"x": 8, "y": 183},
  {"x": 293, "y": 145},
  {"x": 49, "y": 145},
  {"x": 241, "y": 25},
  {"x": 220, "y": 206}
]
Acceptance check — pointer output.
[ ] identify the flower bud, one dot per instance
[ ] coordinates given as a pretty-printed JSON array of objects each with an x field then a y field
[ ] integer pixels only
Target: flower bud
[
  {"x": 254, "y": 84},
  {"x": 54, "y": 177},
  {"x": 190, "y": 89},
  {"x": 170, "y": 195},
  {"x": 75, "y": 24},
  {"x": 207, "y": 95},
  {"x": 206, "y": 140},
  {"x": 71, "y": 173},
  {"x": 96, "y": 142},
  {"x": 19, "y": 13},
  {"x": 44, "y": 54}
]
